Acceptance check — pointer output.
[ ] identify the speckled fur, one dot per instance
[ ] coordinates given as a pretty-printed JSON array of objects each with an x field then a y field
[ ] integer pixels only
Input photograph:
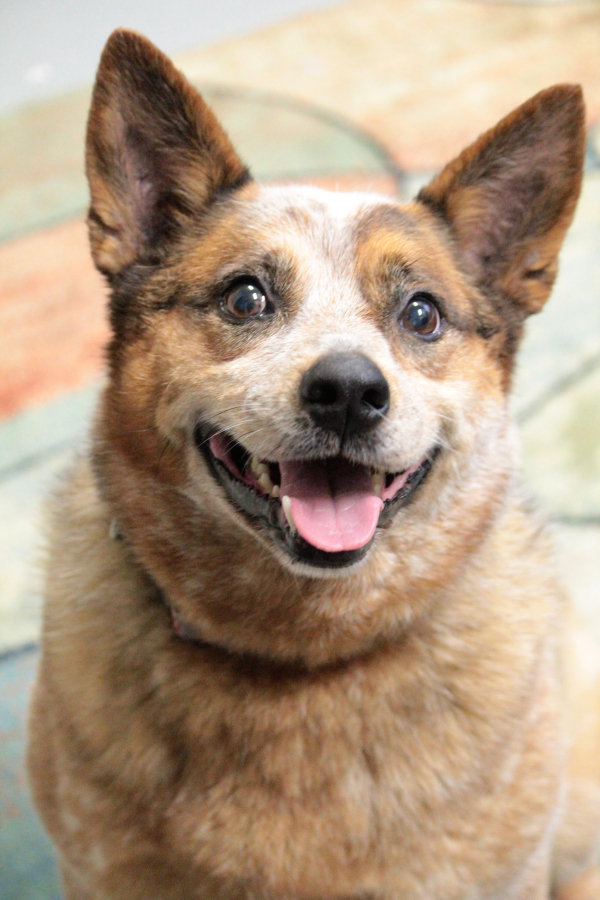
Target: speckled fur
[{"x": 410, "y": 728}]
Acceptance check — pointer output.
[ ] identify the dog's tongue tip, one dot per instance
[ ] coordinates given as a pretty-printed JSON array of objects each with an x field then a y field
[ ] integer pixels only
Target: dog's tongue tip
[
  {"x": 327, "y": 528},
  {"x": 333, "y": 504}
]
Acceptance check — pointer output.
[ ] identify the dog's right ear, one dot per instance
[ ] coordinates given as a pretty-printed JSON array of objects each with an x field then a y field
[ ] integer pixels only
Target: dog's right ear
[{"x": 155, "y": 154}]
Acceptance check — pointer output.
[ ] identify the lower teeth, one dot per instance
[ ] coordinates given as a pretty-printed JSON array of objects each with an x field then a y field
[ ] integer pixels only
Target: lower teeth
[
  {"x": 287, "y": 510},
  {"x": 377, "y": 481}
]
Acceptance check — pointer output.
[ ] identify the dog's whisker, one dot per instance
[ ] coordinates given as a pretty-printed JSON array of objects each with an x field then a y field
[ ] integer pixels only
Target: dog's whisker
[{"x": 222, "y": 431}]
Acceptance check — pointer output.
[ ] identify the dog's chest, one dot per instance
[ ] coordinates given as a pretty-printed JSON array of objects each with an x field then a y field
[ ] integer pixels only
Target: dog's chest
[
  {"x": 341, "y": 788},
  {"x": 286, "y": 781}
]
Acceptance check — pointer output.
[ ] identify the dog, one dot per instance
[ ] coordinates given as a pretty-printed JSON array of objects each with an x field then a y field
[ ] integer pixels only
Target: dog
[{"x": 303, "y": 638}]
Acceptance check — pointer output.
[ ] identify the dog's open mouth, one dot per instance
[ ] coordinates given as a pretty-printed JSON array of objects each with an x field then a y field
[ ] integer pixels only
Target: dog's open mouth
[{"x": 324, "y": 512}]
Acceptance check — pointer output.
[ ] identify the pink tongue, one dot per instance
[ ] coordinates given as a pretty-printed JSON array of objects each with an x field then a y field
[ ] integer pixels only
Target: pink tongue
[{"x": 333, "y": 503}]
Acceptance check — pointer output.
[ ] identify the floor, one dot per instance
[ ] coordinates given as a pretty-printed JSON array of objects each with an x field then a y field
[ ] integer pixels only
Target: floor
[{"x": 369, "y": 93}]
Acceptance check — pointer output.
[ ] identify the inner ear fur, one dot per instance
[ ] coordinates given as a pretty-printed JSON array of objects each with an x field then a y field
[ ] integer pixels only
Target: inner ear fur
[
  {"x": 155, "y": 154},
  {"x": 510, "y": 197}
]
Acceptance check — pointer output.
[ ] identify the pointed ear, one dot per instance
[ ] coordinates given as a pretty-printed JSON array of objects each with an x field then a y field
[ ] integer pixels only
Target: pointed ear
[
  {"x": 155, "y": 154},
  {"x": 509, "y": 197}
]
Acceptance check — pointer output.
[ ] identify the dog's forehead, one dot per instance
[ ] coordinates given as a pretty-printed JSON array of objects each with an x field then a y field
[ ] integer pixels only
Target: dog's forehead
[
  {"x": 358, "y": 233},
  {"x": 336, "y": 208},
  {"x": 326, "y": 218}
]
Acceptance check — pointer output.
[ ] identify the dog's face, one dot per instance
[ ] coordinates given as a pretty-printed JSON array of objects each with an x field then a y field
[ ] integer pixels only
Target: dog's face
[
  {"x": 317, "y": 372},
  {"x": 313, "y": 364}
]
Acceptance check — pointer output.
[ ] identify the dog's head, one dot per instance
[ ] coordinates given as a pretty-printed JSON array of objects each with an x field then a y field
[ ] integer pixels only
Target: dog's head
[{"x": 318, "y": 376}]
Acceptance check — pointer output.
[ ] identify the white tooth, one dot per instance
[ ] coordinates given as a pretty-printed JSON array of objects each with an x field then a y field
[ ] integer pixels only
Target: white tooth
[
  {"x": 265, "y": 483},
  {"x": 287, "y": 509},
  {"x": 377, "y": 480},
  {"x": 258, "y": 468},
  {"x": 275, "y": 491}
]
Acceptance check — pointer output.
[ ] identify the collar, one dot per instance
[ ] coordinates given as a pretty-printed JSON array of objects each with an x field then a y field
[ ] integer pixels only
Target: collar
[{"x": 182, "y": 629}]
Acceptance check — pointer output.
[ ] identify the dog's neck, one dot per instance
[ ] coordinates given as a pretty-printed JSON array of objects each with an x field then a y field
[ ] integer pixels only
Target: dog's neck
[{"x": 246, "y": 603}]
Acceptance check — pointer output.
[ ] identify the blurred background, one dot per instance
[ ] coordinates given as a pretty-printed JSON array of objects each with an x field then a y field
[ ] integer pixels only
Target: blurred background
[{"x": 367, "y": 94}]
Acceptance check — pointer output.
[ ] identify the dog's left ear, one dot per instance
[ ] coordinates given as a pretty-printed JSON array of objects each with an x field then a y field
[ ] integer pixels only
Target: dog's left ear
[
  {"x": 510, "y": 197},
  {"x": 155, "y": 154}
]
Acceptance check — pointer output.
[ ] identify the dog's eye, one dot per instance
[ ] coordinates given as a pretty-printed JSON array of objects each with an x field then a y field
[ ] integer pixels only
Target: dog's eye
[
  {"x": 245, "y": 301},
  {"x": 422, "y": 316}
]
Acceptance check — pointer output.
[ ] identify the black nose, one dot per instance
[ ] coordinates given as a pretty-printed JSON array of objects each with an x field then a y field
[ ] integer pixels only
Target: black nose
[{"x": 345, "y": 393}]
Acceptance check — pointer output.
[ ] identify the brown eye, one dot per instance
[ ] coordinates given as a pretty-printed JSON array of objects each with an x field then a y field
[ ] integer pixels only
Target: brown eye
[
  {"x": 421, "y": 316},
  {"x": 245, "y": 301}
]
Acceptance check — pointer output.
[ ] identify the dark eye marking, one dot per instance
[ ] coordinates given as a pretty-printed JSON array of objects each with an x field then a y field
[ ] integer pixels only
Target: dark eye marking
[{"x": 421, "y": 316}]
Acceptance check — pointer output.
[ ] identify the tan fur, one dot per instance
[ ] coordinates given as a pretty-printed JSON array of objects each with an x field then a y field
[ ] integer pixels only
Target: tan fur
[{"x": 409, "y": 728}]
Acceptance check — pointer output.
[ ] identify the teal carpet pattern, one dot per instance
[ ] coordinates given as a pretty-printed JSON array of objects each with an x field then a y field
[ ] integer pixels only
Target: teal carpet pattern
[{"x": 27, "y": 863}]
